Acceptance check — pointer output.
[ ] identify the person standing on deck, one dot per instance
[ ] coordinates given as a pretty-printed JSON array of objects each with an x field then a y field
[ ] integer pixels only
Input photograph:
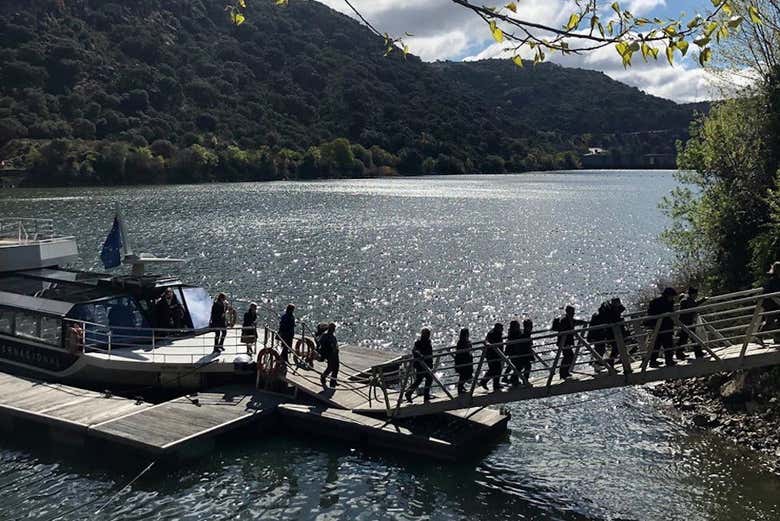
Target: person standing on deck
[
  {"x": 423, "y": 365},
  {"x": 219, "y": 322},
  {"x": 287, "y": 331},
  {"x": 689, "y": 321},
  {"x": 665, "y": 338},
  {"x": 329, "y": 351},
  {"x": 164, "y": 310},
  {"x": 771, "y": 305},
  {"x": 564, "y": 326},
  {"x": 494, "y": 343},
  {"x": 464, "y": 360},
  {"x": 249, "y": 328},
  {"x": 512, "y": 352}
]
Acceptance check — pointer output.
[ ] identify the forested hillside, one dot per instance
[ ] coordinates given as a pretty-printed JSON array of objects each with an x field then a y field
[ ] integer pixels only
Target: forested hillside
[{"x": 170, "y": 91}]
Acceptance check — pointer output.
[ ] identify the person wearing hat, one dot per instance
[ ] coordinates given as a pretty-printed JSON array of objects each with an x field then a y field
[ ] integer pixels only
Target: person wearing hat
[
  {"x": 423, "y": 365},
  {"x": 665, "y": 338},
  {"x": 249, "y": 329},
  {"x": 688, "y": 320},
  {"x": 565, "y": 325},
  {"x": 771, "y": 305},
  {"x": 494, "y": 344}
]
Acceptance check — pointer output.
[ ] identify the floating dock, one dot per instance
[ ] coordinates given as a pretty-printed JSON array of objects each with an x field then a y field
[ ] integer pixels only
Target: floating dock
[
  {"x": 188, "y": 425},
  {"x": 75, "y": 415}
]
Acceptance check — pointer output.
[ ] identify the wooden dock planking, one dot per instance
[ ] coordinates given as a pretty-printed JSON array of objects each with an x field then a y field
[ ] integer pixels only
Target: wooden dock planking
[
  {"x": 347, "y": 395},
  {"x": 755, "y": 356},
  {"x": 155, "y": 429},
  {"x": 164, "y": 427}
]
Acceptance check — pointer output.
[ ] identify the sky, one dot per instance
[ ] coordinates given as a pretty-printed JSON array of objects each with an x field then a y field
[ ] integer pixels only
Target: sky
[{"x": 445, "y": 31}]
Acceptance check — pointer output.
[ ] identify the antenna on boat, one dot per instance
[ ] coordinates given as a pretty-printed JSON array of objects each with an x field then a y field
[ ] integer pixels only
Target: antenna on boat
[{"x": 138, "y": 261}]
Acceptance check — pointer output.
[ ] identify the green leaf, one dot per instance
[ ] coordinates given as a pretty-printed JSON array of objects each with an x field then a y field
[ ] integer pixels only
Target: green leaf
[
  {"x": 755, "y": 16},
  {"x": 574, "y": 21},
  {"x": 498, "y": 34},
  {"x": 512, "y": 7},
  {"x": 683, "y": 46},
  {"x": 705, "y": 55},
  {"x": 517, "y": 60},
  {"x": 702, "y": 41},
  {"x": 616, "y": 7},
  {"x": 735, "y": 21},
  {"x": 242, "y": 3},
  {"x": 670, "y": 54}
]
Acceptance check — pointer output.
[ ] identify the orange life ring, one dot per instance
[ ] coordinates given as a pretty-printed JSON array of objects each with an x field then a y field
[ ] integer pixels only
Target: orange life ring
[
  {"x": 269, "y": 363},
  {"x": 304, "y": 349}
]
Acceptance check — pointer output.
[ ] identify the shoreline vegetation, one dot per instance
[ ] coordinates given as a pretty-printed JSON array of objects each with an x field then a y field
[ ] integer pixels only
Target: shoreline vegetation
[{"x": 172, "y": 92}]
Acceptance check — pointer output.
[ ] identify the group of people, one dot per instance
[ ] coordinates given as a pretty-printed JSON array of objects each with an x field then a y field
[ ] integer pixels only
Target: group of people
[{"x": 509, "y": 358}]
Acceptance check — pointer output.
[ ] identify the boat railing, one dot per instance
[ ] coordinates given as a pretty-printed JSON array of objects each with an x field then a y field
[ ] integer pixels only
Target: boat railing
[{"x": 24, "y": 230}]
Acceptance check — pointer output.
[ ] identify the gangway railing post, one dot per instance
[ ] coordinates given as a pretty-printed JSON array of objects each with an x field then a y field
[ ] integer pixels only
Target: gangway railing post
[
  {"x": 554, "y": 366},
  {"x": 404, "y": 382},
  {"x": 650, "y": 345},
  {"x": 509, "y": 363},
  {"x": 754, "y": 324},
  {"x": 435, "y": 379},
  {"x": 696, "y": 338},
  {"x": 478, "y": 372},
  {"x": 625, "y": 357},
  {"x": 599, "y": 358}
]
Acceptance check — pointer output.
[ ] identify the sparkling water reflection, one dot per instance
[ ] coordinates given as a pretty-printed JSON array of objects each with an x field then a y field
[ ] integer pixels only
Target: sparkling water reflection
[{"x": 383, "y": 258}]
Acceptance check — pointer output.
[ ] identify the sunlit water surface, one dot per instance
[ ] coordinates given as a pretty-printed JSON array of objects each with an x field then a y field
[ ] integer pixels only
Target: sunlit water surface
[{"x": 383, "y": 258}]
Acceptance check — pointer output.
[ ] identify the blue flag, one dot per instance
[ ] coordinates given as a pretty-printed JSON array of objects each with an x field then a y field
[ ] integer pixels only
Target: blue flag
[{"x": 110, "y": 254}]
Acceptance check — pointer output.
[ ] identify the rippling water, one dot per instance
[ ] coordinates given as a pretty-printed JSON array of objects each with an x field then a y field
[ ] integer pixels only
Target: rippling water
[{"x": 383, "y": 258}]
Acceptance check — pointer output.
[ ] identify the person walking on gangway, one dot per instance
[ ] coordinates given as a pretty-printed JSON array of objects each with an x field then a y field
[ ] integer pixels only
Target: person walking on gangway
[
  {"x": 525, "y": 359},
  {"x": 494, "y": 343},
  {"x": 771, "y": 305},
  {"x": 287, "y": 331},
  {"x": 464, "y": 360},
  {"x": 688, "y": 322},
  {"x": 565, "y": 325},
  {"x": 665, "y": 337},
  {"x": 218, "y": 322},
  {"x": 423, "y": 365},
  {"x": 512, "y": 351},
  {"x": 329, "y": 351}
]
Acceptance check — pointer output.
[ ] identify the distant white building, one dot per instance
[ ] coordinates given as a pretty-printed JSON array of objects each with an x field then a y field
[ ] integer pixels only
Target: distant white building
[{"x": 596, "y": 151}]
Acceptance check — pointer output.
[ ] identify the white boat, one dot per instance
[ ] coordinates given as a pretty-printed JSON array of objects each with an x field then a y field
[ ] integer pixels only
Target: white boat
[{"x": 99, "y": 330}]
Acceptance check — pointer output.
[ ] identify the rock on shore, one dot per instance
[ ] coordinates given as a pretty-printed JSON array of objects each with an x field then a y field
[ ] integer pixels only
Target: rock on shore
[{"x": 743, "y": 406}]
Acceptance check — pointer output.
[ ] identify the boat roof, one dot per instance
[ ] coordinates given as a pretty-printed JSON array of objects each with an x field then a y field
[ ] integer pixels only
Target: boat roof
[{"x": 56, "y": 290}]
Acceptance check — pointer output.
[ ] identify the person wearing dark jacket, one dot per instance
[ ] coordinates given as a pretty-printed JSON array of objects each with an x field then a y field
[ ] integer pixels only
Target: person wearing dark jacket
[
  {"x": 598, "y": 337},
  {"x": 512, "y": 352},
  {"x": 689, "y": 321},
  {"x": 525, "y": 351},
  {"x": 422, "y": 352},
  {"x": 218, "y": 322},
  {"x": 616, "y": 310},
  {"x": 771, "y": 305},
  {"x": 249, "y": 328},
  {"x": 464, "y": 360},
  {"x": 287, "y": 331},
  {"x": 494, "y": 343},
  {"x": 665, "y": 337},
  {"x": 329, "y": 351},
  {"x": 565, "y": 325},
  {"x": 166, "y": 311}
]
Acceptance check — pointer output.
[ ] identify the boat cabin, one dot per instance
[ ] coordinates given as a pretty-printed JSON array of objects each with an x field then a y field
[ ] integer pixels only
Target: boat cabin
[{"x": 37, "y": 304}]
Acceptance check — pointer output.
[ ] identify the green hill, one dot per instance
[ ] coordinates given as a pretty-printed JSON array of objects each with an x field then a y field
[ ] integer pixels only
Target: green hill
[{"x": 169, "y": 91}]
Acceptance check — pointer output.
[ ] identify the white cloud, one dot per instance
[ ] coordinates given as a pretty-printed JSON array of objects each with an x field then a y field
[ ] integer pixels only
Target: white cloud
[{"x": 443, "y": 30}]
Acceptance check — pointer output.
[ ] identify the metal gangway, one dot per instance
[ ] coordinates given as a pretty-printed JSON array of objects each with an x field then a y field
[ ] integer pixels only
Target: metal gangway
[{"x": 734, "y": 331}]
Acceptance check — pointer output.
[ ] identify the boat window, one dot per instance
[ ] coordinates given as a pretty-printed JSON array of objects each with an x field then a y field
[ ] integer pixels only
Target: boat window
[
  {"x": 6, "y": 321},
  {"x": 199, "y": 305},
  {"x": 120, "y": 318},
  {"x": 38, "y": 328}
]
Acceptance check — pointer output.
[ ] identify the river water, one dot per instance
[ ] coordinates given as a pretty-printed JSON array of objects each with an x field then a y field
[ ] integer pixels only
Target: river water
[{"x": 383, "y": 258}]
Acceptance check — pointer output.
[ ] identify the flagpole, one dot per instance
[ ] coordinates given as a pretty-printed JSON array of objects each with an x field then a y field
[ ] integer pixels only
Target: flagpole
[{"x": 127, "y": 249}]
